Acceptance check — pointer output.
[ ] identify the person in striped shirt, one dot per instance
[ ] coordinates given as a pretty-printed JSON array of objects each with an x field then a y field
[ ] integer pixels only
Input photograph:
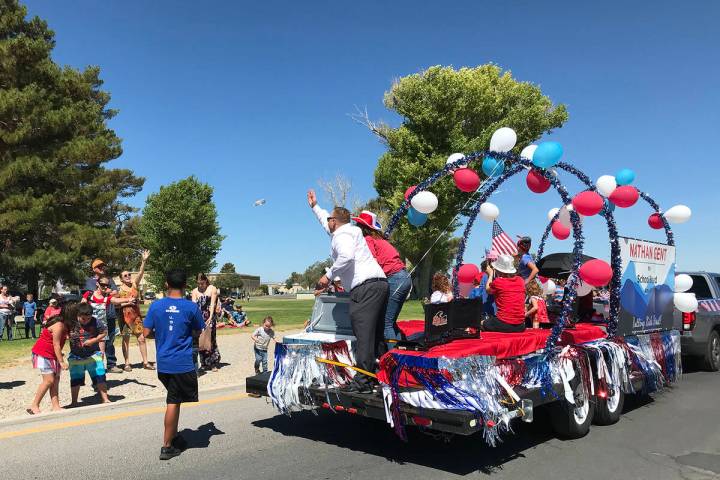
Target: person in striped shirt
[{"x": 559, "y": 291}]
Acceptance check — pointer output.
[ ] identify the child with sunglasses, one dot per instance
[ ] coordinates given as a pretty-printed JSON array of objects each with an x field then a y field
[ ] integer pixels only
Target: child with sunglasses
[{"x": 100, "y": 300}]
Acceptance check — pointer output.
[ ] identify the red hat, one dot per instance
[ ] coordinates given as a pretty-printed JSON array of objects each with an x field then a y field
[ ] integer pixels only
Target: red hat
[{"x": 368, "y": 219}]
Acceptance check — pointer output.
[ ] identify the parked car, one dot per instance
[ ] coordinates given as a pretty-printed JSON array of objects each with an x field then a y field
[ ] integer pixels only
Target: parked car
[
  {"x": 149, "y": 296},
  {"x": 700, "y": 331}
]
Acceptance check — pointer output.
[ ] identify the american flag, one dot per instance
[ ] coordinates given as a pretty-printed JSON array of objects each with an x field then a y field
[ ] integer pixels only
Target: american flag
[
  {"x": 501, "y": 241},
  {"x": 709, "y": 305}
]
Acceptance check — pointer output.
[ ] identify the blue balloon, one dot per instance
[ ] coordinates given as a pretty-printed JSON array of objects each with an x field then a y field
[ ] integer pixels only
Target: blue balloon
[
  {"x": 492, "y": 167},
  {"x": 625, "y": 176},
  {"x": 547, "y": 154},
  {"x": 416, "y": 218}
]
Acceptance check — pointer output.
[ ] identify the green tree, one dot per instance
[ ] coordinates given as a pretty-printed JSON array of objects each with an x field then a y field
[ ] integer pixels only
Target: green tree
[
  {"x": 227, "y": 268},
  {"x": 228, "y": 278},
  {"x": 444, "y": 111},
  {"x": 313, "y": 273},
  {"x": 263, "y": 289},
  {"x": 179, "y": 226},
  {"x": 294, "y": 278},
  {"x": 59, "y": 203}
]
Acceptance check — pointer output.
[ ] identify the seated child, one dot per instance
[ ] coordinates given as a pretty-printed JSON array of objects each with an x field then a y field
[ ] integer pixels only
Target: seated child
[
  {"x": 442, "y": 293},
  {"x": 537, "y": 312}
]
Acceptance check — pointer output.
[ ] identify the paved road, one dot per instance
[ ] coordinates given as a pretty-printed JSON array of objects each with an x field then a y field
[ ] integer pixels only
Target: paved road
[{"x": 675, "y": 436}]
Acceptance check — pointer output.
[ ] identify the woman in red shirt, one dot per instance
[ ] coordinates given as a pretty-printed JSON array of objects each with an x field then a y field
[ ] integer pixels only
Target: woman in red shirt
[
  {"x": 48, "y": 358},
  {"x": 388, "y": 258},
  {"x": 509, "y": 292}
]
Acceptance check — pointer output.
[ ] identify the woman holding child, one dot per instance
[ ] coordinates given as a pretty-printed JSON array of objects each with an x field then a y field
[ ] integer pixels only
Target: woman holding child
[
  {"x": 206, "y": 296},
  {"x": 508, "y": 288}
]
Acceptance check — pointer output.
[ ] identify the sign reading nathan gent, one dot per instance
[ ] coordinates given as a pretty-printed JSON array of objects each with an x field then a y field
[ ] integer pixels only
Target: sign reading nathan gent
[{"x": 647, "y": 286}]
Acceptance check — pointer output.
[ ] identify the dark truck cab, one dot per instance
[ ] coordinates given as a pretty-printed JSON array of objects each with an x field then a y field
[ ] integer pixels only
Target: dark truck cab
[{"x": 700, "y": 330}]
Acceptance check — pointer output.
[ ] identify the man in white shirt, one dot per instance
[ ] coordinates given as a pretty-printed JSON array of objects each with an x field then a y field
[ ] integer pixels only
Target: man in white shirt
[{"x": 362, "y": 276}]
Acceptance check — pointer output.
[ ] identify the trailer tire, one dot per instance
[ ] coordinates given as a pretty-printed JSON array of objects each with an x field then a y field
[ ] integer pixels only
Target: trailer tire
[
  {"x": 609, "y": 409},
  {"x": 571, "y": 421},
  {"x": 712, "y": 354}
]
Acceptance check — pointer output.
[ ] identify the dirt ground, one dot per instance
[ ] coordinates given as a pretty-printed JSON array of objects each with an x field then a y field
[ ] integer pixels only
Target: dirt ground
[{"x": 19, "y": 382}]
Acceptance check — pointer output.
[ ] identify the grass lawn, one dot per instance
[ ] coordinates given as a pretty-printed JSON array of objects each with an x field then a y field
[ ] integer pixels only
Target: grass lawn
[{"x": 287, "y": 313}]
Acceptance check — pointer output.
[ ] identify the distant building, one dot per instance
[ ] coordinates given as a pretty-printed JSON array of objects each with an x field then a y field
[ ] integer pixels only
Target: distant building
[{"x": 279, "y": 288}]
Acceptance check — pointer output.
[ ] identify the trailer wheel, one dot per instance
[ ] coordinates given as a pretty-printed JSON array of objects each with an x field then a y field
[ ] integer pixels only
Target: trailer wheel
[
  {"x": 572, "y": 421},
  {"x": 712, "y": 355},
  {"x": 609, "y": 409}
]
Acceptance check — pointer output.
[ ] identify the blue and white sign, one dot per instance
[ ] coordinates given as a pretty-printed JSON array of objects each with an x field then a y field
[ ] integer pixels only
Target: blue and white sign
[{"x": 646, "y": 287}]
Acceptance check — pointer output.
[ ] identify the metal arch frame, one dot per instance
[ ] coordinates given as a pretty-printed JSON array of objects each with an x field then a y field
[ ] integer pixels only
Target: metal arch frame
[
  {"x": 517, "y": 164},
  {"x": 614, "y": 243}
]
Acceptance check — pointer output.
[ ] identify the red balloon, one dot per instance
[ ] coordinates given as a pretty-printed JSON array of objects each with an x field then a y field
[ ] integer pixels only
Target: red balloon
[
  {"x": 560, "y": 231},
  {"x": 479, "y": 277},
  {"x": 588, "y": 203},
  {"x": 596, "y": 272},
  {"x": 624, "y": 196},
  {"x": 466, "y": 179},
  {"x": 655, "y": 221},
  {"x": 409, "y": 191},
  {"x": 467, "y": 272},
  {"x": 536, "y": 182}
]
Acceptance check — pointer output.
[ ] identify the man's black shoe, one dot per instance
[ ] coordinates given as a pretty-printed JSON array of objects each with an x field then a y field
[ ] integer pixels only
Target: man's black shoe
[
  {"x": 166, "y": 453},
  {"x": 179, "y": 442}
]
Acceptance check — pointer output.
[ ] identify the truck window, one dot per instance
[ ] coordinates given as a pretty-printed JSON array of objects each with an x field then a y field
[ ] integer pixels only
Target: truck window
[{"x": 700, "y": 287}]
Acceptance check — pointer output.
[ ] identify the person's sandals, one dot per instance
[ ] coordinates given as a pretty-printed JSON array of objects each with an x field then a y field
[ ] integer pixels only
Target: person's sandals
[
  {"x": 115, "y": 370},
  {"x": 128, "y": 368},
  {"x": 147, "y": 366}
]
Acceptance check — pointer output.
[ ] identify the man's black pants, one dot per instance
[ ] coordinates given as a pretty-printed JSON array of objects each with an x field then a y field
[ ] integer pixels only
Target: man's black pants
[{"x": 367, "y": 314}]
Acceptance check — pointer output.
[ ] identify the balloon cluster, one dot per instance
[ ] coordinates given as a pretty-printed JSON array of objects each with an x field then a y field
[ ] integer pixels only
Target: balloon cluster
[{"x": 684, "y": 301}]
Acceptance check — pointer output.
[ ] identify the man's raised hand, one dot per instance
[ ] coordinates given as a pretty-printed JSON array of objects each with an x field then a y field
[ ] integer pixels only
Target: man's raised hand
[{"x": 312, "y": 199}]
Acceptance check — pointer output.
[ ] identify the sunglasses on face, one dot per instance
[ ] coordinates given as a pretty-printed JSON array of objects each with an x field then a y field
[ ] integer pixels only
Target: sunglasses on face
[
  {"x": 330, "y": 218},
  {"x": 104, "y": 285},
  {"x": 126, "y": 275}
]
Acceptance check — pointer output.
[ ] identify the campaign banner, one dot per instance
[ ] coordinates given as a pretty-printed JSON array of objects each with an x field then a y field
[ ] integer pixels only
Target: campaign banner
[{"x": 647, "y": 286}]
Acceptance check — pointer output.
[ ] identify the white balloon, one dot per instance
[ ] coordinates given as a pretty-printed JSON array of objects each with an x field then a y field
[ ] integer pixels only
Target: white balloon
[
  {"x": 564, "y": 216},
  {"x": 686, "y": 302},
  {"x": 583, "y": 288},
  {"x": 605, "y": 185},
  {"x": 503, "y": 140},
  {"x": 683, "y": 282},
  {"x": 424, "y": 202},
  {"x": 552, "y": 212},
  {"x": 489, "y": 211},
  {"x": 454, "y": 158},
  {"x": 528, "y": 151},
  {"x": 549, "y": 287},
  {"x": 678, "y": 214}
]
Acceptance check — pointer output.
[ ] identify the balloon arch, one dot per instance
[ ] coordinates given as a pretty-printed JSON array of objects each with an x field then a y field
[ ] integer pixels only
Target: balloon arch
[{"x": 517, "y": 164}]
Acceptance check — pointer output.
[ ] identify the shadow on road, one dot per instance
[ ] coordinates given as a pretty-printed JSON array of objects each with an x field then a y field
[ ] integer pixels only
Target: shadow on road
[
  {"x": 11, "y": 385},
  {"x": 460, "y": 455},
  {"x": 200, "y": 437},
  {"x": 125, "y": 381}
]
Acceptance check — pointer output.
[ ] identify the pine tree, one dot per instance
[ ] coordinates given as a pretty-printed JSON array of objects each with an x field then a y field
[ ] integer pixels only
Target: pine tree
[{"x": 59, "y": 203}]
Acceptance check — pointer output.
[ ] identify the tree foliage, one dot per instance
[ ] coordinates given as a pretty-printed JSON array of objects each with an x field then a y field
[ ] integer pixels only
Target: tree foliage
[
  {"x": 179, "y": 226},
  {"x": 59, "y": 203},
  {"x": 227, "y": 267},
  {"x": 445, "y": 111},
  {"x": 228, "y": 281}
]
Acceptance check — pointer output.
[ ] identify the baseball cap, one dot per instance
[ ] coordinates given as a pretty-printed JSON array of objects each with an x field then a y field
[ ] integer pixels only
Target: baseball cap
[{"x": 97, "y": 262}]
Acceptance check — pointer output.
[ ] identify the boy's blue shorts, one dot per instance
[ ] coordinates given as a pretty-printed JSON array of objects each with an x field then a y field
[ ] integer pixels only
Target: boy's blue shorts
[{"x": 94, "y": 366}]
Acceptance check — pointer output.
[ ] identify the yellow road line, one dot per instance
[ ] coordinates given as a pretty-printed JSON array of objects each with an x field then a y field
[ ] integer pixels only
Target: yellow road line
[{"x": 117, "y": 416}]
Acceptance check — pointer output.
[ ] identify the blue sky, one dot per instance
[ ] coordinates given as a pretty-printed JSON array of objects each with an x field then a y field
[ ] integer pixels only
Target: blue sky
[{"x": 254, "y": 98}]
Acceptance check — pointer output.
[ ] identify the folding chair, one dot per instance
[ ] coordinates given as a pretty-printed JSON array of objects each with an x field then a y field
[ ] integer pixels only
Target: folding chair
[{"x": 15, "y": 327}]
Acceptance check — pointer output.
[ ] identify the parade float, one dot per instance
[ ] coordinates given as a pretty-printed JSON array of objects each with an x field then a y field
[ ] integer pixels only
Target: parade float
[{"x": 455, "y": 382}]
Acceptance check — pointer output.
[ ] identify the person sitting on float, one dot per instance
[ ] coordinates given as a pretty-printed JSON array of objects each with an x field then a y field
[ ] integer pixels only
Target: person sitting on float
[
  {"x": 442, "y": 293},
  {"x": 481, "y": 292},
  {"x": 508, "y": 288},
  {"x": 536, "y": 314}
]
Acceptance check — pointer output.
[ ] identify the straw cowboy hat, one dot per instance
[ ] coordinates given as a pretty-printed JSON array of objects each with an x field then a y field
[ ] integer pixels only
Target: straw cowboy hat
[
  {"x": 368, "y": 219},
  {"x": 504, "y": 264}
]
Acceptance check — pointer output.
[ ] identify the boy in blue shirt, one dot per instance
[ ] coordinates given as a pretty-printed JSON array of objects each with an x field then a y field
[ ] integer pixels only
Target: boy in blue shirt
[
  {"x": 173, "y": 321},
  {"x": 30, "y": 313}
]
